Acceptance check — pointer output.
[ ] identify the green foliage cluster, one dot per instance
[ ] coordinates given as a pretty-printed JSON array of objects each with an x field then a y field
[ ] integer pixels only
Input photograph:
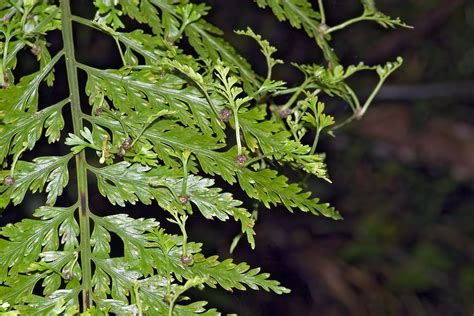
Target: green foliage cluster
[{"x": 158, "y": 130}]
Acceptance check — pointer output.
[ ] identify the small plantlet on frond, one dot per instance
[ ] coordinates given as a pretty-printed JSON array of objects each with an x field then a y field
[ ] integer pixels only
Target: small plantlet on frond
[{"x": 158, "y": 130}]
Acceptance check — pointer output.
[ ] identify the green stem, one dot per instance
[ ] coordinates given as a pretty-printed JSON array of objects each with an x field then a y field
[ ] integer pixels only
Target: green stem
[
  {"x": 203, "y": 90},
  {"x": 168, "y": 281},
  {"x": 16, "y": 157},
  {"x": 181, "y": 222},
  {"x": 144, "y": 128},
  {"x": 371, "y": 97},
  {"x": 292, "y": 90},
  {"x": 346, "y": 24},
  {"x": 237, "y": 131},
  {"x": 315, "y": 142},
  {"x": 172, "y": 301},
  {"x": 391, "y": 67},
  {"x": 345, "y": 122},
  {"x": 117, "y": 42},
  {"x": 137, "y": 298},
  {"x": 295, "y": 96},
  {"x": 182, "y": 226},
  {"x": 25, "y": 14},
  {"x": 270, "y": 67},
  {"x": 5, "y": 51},
  {"x": 184, "y": 185},
  {"x": 321, "y": 10},
  {"x": 209, "y": 100},
  {"x": 258, "y": 158},
  {"x": 86, "y": 22},
  {"x": 286, "y": 91},
  {"x": 354, "y": 98},
  {"x": 81, "y": 164}
]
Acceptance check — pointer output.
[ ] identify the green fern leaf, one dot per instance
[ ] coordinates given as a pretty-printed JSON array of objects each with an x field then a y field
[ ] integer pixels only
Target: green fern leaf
[
  {"x": 123, "y": 182},
  {"x": 211, "y": 202},
  {"x": 22, "y": 243},
  {"x": 60, "y": 302},
  {"x": 19, "y": 129},
  {"x": 34, "y": 175},
  {"x": 24, "y": 95},
  {"x": 202, "y": 36}
]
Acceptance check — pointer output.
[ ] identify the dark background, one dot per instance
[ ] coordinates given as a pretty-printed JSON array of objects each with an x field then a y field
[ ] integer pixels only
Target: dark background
[{"x": 402, "y": 176}]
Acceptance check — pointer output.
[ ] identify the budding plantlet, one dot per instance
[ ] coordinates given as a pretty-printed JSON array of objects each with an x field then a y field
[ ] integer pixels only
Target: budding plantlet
[
  {"x": 98, "y": 111},
  {"x": 67, "y": 275},
  {"x": 285, "y": 113},
  {"x": 187, "y": 260},
  {"x": 9, "y": 180},
  {"x": 224, "y": 114},
  {"x": 124, "y": 147},
  {"x": 183, "y": 199},
  {"x": 241, "y": 159}
]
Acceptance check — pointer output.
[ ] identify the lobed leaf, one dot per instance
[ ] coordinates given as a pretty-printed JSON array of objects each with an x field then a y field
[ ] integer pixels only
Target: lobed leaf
[
  {"x": 300, "y": 14},
  {"x": 60, "y": 302},
  {"x": 22, "y": 243},
  {"x": 223, "y": 273},
  {"x": 24, "y": 95},
  {"x": 132, "y": 233},
  {"x": 148, "y": 92},
  {"x": 123, "y": 182},
  {"x": 19, "y": 130},
  {"x": 211, "y": 202},
  {"x": 205, "y": 39},
  {"x": 272, "y": 140},
  {"x": 33, "y": 176}
]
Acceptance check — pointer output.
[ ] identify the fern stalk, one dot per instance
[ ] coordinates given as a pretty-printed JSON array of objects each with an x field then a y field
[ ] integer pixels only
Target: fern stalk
[
  {"x": 321, "y": 11},
  {"x": 81, "y": 164}
]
